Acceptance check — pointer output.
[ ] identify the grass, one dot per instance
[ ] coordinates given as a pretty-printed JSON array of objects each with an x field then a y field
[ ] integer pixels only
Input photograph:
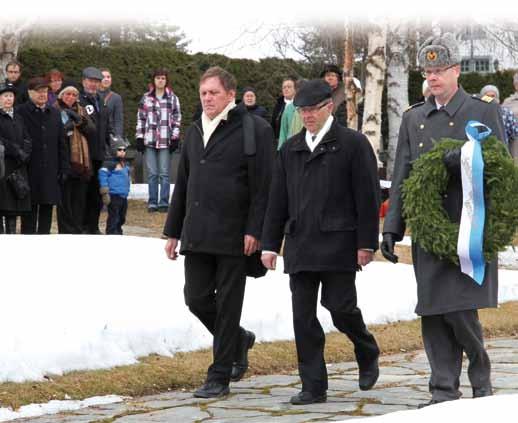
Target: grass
[{"x": 154, "y": 374}]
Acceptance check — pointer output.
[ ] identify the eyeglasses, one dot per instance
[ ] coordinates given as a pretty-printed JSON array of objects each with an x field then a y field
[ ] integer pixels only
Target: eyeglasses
[
  {"x": 438, "y": 72},
  {"x": 312, "y": 109}
]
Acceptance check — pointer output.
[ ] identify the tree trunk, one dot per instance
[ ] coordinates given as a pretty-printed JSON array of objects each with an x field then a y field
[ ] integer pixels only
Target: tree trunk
[
  {"x": 397, "y": 87},
  {"x": 375, "y": 78},
  {"x": 11, "y": 34},
  {"x": 350, "y": 90}
]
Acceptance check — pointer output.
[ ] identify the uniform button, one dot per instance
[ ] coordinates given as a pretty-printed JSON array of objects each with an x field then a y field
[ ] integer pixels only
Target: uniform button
[
  {"x": 321, "y": 148},
  {"x": 202, "y": 161},
  {"x": 333, "y": 148},
  {"x": 196, "y": 203},
  {"x": 421, "y": 145},
  {"x": 452, "y": 123},
  {"x": 421, "y": 126}
]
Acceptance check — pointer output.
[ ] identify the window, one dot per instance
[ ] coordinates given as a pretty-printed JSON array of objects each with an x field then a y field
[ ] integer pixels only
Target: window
[
  {"x": 464, "y": 66},
  {"x": 482, "y": 65}
]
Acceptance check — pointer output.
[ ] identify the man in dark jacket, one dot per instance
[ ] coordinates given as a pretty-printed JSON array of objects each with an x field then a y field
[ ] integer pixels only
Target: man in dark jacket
[
  {"x": 13, "y": 71},
  {"x": 113, "y": 102},
  {"x": 98, "y": 143},
  {"x": 447, "y": 299},
  {"x": 324, "y": 199},
  {"x": 288, "y": 92},
  {"x": 49, "y": 163},
  {"x": 332, "y": 75},
  {"x": 218, "y": 208}
]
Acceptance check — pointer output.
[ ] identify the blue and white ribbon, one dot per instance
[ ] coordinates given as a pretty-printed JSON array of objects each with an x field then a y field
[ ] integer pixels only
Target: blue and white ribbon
[{"x": 470, "y": 245}]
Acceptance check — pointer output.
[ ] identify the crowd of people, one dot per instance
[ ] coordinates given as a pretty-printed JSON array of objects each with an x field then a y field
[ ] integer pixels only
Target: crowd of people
[{"x": 246, "y": 185}]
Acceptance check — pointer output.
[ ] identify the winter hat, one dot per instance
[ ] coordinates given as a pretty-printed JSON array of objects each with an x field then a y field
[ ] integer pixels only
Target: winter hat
[
  {"x": 66, "y": 90},
  {"x": 117, "y": 142},
  {"x": 488, "y": 88},
  {"x": 37, "y": 83},
  {"x": 439, "y": 51},
  {"x": 331, "y": 68},
  {"x": 247, "y": 89}
]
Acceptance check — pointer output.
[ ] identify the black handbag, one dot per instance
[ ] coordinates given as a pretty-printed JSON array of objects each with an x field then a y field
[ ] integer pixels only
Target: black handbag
[
  {"x": 254, "y": 265},
  {"x": 19, "y": 184}
]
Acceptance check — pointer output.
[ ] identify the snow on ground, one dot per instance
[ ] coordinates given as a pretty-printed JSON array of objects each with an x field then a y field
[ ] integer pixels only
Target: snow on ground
[
  {"x": 54, "y": 407},
  {"x": 498, "y": 408},
  {"x": 90, "y": 302}
]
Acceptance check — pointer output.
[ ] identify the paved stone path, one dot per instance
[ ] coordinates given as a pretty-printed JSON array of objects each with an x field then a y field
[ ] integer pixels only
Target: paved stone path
[{"x": 403, "y": 384}]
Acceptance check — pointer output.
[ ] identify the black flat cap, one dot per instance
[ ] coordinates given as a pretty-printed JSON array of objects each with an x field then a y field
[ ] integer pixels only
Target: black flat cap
[
  {"x": 7, "y": 87},
  {"x": 92, "y": 73},
  {"x": 312, "y": 92},
  {"x": 37, "y": 83}
]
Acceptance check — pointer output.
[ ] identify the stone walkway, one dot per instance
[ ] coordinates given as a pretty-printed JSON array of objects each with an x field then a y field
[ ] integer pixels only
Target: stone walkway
[{"x": 403, "y": 384}]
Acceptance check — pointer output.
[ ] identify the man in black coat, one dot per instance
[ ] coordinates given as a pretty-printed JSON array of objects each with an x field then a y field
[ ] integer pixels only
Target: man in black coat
[
  {"x": 98, "y": 144},
  {"x": 13, "y": 71},
  {"x": 324, "y": 200},
  {"x": 49, "y": 163},
  {"x": 218, "y": 209}
]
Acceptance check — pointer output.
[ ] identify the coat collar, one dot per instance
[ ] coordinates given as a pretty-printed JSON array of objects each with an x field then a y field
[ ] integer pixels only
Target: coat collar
[
  {"x": 453, "y": 105},
  {"x": 299, "y": 142}
]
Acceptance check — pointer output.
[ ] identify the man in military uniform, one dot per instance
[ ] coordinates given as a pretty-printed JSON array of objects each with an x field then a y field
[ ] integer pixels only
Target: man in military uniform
[
  {"x": 325, "y": 200},
  {"x": 447, "y": 299}
]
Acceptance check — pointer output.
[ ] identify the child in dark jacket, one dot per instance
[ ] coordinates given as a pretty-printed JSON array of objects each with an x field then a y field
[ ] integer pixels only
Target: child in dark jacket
[{"x": 114, "y": 180}]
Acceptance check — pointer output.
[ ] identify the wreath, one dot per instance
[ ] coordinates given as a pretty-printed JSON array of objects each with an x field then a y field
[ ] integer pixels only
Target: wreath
[{"x": 423, "y": 190}]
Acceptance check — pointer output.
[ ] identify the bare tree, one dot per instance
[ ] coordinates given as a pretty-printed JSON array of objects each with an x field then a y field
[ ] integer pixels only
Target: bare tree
[
  {"x": 375, "y": 78},
  {"x": 397, "y": 86},
  {"x": 11, "y": 35}
]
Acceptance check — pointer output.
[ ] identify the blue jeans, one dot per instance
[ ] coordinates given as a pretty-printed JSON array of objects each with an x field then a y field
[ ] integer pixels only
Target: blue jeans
[{"x": 157, "y": 164}]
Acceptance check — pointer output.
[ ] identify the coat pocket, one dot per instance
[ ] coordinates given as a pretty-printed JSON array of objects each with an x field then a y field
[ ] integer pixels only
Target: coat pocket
[{"x": 334, "y": 224}]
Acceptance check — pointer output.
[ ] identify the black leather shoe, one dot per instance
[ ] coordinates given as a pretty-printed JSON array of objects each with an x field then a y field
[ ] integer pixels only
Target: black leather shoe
[
  {"x": 212, "y": 390},
  {"x": 305, "y": 397},
  {"x": 163, "y": 209},
  {"x": 482, "y": 392},
  {"x": 240, "y": 366},
  {"x": 369, "y": 375},
  {"x": 426, "y": 404}
]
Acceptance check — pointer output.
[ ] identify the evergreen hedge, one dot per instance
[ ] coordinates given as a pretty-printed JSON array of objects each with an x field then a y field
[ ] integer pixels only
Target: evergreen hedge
[{"x": 131, "y": 66}]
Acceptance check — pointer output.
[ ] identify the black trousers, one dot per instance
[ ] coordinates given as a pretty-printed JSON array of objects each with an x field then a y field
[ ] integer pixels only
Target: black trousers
[
  {"x": 72, "y": 208},
  {"x": 445, "y": 338},
  {"x": 214, "y": 291},
  {"x": 116, "y": 215},
  {"x": 339, "y": 297},
  {"x": 93, "y": 202},
  {"x": 38, "y": 221}
]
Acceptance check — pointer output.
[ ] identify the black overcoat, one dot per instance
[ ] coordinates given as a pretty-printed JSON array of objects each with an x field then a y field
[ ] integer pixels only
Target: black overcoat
[
  {"x": 17, "y": 143},
  {"x": 441, "y": 287},
  {"x": 213, "y": 205},
  {"x": 49, "y": 158},
  {"x": 98, "y": 141},
  {"x": 325, "y": 202}
]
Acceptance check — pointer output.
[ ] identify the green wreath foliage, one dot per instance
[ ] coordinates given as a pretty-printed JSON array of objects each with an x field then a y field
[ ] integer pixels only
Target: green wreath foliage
[{"x": 423, "y": 191}]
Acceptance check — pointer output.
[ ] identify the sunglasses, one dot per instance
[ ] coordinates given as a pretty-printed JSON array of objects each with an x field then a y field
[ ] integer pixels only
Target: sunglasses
[{"x": 121, "y": 149}]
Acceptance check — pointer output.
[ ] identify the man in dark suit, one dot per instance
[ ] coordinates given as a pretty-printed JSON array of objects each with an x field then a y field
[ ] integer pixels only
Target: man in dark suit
[
  {"x": 98, "y": 144},
  {"x": 324, "y": 199},
  {"x": 218, "y": 212}
]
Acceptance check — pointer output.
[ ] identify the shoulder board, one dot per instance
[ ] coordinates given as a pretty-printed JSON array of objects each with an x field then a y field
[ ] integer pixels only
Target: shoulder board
[
  {"x": 485, "y": 98},
  {"x": 414, "y": 106}
]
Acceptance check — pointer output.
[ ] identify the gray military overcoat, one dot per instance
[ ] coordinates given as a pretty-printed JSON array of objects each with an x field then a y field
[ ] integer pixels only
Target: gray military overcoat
[{"x": 441, "y": 287}]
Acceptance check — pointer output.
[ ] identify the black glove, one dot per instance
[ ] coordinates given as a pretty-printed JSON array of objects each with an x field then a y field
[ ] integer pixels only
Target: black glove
[
  {"x": 140, "y": 145},
  {"x": 173, "y": 146},
  {"x": 451, "y": 160},
  {"x": 75, "y": 117},
  {"x": 387, "y": 247},
  {"x": 69, "y": 126}
]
